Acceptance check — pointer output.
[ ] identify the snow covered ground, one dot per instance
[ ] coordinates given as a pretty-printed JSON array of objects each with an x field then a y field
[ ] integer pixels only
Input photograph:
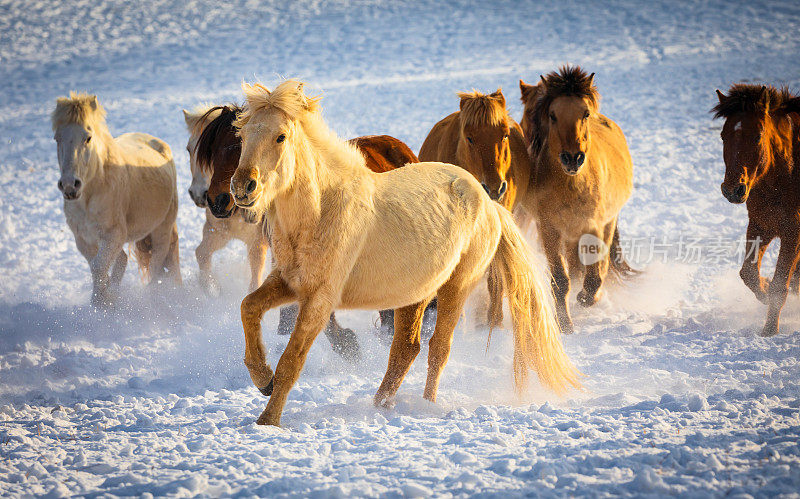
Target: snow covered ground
[{"x": 682, "y": 396}]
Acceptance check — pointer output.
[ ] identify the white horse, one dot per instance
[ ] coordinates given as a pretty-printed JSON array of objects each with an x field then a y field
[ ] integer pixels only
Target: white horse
[
  {"x": 218, "y": 232},
  {"x": 116, "y": 190},
  {"x": 345, "y": 237}
]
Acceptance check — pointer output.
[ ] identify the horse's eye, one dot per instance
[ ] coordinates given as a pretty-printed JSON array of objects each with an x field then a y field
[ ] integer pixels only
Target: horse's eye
[
  {"x": 505, "y": 137},
  {"x": 553, "y": 117},
  {"x": 88, "y": 139},
  {"x": 586, "y": 115},
  {"x": 469, "y": 139},
  {"x": 280, "y": 138}
]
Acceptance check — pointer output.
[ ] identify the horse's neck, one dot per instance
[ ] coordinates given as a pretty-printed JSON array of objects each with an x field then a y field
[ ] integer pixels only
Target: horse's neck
[{"x": 780, "y": 175}]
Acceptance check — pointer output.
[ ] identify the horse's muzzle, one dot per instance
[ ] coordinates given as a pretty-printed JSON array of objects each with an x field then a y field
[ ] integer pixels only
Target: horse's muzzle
[
  {"x": 572, "y": 162},
  {"x": 221, "y": 207},
  {"x": 200, "y": 200},
  {"x": 737, "y": 195}
]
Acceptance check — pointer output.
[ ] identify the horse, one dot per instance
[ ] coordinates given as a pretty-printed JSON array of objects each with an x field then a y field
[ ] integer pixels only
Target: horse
[
  {"x": 484, "y": 140},
  {"x": 218, "y": 232},
  {"x": 584, "y": 175},
  {"x": 761, "y": 147},
  {"x": 346, "y": 237},
  {"x": 115, "y": 190},
  {"x": 218, "y": 151}
]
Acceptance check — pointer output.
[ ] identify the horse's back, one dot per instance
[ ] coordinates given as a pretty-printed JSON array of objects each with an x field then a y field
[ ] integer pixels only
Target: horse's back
[
  {"x": 148, "y": 150},
  {"x": 442, "y": 140}
]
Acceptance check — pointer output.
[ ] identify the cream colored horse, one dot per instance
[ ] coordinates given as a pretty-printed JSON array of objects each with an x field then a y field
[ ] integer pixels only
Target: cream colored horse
[
  {"x": 116, "y": 190},
  {"x": 345, "y": 237},
  {"x": 218, "y": 232}
]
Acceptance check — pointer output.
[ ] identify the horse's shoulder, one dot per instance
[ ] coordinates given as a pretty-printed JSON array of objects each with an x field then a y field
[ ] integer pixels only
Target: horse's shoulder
[{"x": 440, "y": 144}]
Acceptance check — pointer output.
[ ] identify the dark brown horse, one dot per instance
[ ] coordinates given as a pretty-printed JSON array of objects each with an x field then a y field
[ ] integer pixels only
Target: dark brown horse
[
  {"x": 761, "y": 147},
  {"x": 217, "y": 152}
]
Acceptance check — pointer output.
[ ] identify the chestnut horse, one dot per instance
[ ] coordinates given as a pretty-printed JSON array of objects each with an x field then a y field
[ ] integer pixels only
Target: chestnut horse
[
  {"x": 484, "y": 140},
  {"x": 344, "y": 236},
  {"x": 761, "y": 147},
  {"x": 584, "y": 176}
]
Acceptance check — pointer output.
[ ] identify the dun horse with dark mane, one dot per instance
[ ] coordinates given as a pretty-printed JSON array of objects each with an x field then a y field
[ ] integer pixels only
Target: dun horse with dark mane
[
  {"x": 583, "y": 178},
  {"x": 761, "y": 147}
]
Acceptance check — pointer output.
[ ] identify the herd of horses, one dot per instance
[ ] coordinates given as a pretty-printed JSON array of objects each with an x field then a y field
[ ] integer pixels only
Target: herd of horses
[{"x": 367, "y": 224}]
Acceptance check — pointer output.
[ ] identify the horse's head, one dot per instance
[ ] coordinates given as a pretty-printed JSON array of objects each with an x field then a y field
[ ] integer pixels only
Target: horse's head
[
  {"x": 196, "y": 121},
  {"x": 562, "y": 113},
  {"x": 528, "y": 95},
  {"x": 216, "y": 154},
  {"x": 273, "y": 142},
  {"x": 483, "y": 145},
  {"x": 80, "y": 131},
  {"x": 756, "y": 128}
]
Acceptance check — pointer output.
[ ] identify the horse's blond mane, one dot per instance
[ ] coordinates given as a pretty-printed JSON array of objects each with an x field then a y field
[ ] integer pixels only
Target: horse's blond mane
[
  {"x": 198, "y": 116},
  {"x": 288, "y": 97},
  {"x": 79, "y": 108},
  {"x": 482, "y": 109}
]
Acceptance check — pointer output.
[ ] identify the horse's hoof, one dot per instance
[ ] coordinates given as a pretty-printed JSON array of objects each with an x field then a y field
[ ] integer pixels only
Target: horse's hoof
[
  {"x": 265, "y": 420},
  {"x": 769, "y": 331},
  {"x": 566, "y": 327},
  {"x": 587, "y": 301},
  {"x": 384, "y": 402},
  {"x": 267, "y": 390}
]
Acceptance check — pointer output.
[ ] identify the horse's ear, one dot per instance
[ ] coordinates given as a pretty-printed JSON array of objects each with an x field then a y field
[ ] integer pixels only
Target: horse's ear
[
  {"x": 464, "y": 96},
  {"x": 187, "y": 117},
  {"x": 591, "y": 80},
  {"x": 720, "y": 96},
  {"x": 499, "y": 97},
  {"x": 93, "y": 102},
  {"x": 527, "y": 91},
  {"x": 543, "y": 82},
  {"x": 300, "y": 86}
]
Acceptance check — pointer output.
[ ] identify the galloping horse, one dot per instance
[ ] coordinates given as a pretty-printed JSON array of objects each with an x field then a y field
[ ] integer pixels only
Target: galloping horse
[
  {"x": 346, "y": 237},
  {"x": 484, "y": 140},
  {"x": 218, "y": 232},
  {"x": 761, "y": 149},
  {"x": 583, "y": 178},
  {"x": 116, "y": 190}
]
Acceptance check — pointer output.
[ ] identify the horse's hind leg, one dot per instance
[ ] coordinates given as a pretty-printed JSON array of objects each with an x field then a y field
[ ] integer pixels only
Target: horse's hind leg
[
  {"x": 404, "y": 349},
  {"x": 273, "y": 292},
  {"x": 779, "y": 286},
  {"x": 450, "y": 299},
  {"x": 314, "y": 312},
  {"x": 596, "y": 272},
  {"x": 118, "y": 270},
  {"x": 343, "y": 340},
  {"x": 214, "y": 239}
]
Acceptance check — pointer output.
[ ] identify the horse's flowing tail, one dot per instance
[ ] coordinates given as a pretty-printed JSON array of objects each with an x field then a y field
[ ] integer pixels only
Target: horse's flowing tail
[
  {"x": 617, "y": 263},
  {"x": 143, "y": 251},
  {"x": 537, "y": 337}
]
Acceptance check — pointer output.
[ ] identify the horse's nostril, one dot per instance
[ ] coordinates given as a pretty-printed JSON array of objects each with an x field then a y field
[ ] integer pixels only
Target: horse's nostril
[
  {"x": 60, "y": 185},
  {"x": 251, "y": 186},
  {"x": 579, "y": 158},
  {"x": 565, "y": 158},
  {"x": 77, "y": 184},
  {"x": 740, "y": 190},
  {"x": 502, "y": 189},
  {"x": 486, "y": 188}
]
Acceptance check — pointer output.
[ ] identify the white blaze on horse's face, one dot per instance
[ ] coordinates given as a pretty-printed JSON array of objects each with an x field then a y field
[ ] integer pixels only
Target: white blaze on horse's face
[
  {"x": 75, "y": 154},
  {"x": 266, "y": 166},
  {"x": 200, "y": 179}
]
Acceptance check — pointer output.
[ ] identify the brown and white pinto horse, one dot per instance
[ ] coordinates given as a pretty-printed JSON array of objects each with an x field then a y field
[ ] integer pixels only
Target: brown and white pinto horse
[
  {"x": 761, "y": 147},
  {"x": 484, "y": 140},
  {"x": 584, "y": 176}
]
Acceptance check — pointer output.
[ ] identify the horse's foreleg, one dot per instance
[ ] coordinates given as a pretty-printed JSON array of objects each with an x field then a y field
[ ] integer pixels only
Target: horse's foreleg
[
  {"x": 404, "y": 349},
  {"x": 213, "y": 240},
  {"x": 108, "y": 250},
  {"x": 779, "y": 287},
  {"x": 343, "y": 340},
  {"x": 314, "y": 313},
  {"x": 551, "y": 240},
  {"x": 272, "y": 293},
  {"x": 756, "y": 245},
  {"x": 257, "y": 255},
  {"x": 596, "y": 272},
  {"x": 172, "y": 261}
]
